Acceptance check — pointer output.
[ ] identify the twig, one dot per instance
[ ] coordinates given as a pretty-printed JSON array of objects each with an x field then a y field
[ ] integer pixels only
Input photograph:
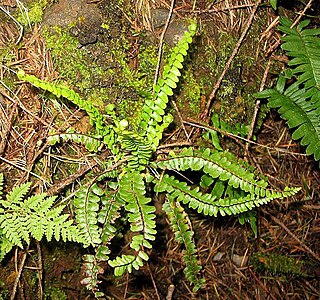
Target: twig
[
  {"x": 257, "y": 105},
  {"x": 40, "y": 270},
  {"x": 181, "y": 120},
  {"x": 161, "y": 43},
  {"x": 216, "y": 10},
  {"x": 59, "y": 186},
  {"x": 153, "y": 282},
  {"x": 206, "y": 115},
  {"x": 237, "y": 137},
  {"x": 20, "y": 269},
  {"x": 302, "y": 244},
  {"x": 9, "y": 124},
  {"x": 170, "y": 292},
  {"x": 262, "y": 285}
]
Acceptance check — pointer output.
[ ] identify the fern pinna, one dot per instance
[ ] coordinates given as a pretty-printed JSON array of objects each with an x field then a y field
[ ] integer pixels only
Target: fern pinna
[
  {"x": 299, "y": 103},
  {"x": 227, "y": 186}
]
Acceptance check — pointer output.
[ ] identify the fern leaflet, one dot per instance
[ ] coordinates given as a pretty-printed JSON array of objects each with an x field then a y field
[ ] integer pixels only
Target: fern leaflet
[
  {"x": 180, "y": 223},
  {"x": 141, "y": 218}
]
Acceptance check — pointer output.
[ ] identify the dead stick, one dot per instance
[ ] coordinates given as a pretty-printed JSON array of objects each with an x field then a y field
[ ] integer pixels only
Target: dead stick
[
  {"x": 161, "y": 43},
  {"x": 206, "y": 113},
  {"x": 257, "y": 105},
  {"x": 16, "y": 281},
  {"x": 262, "y": 285},
  {"x": 8, "y": 129},
  {"x": 40, "y": 270},
  {"x": 59, "y": 186},
  {"x": 302, "y": 244}
]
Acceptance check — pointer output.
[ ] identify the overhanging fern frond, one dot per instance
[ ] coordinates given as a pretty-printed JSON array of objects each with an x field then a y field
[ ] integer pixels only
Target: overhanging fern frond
[
  {"x": 304, "y": 46},
  {"x": 295, "y": 106},
  {"x": 180, "y": 223},
  {"x": 299, "y": 104}
]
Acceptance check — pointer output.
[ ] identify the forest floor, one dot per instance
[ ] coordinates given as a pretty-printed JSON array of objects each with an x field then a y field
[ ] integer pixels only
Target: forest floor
[{"x": 282, "y": 262}]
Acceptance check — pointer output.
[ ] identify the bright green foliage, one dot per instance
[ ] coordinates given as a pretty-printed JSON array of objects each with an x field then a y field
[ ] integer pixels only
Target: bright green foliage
[
  {"x": 232, "y": 187},
  {"x": 92, "y": 144},
  {"x": 184, "y": 235},
  {"x": 239, "y": 129},
  {"x": 22, "y": 218},
  {"x": 299, "y": 103},
  {"x": 154, "y": 119},
  {"x": 141, "y": 218}
]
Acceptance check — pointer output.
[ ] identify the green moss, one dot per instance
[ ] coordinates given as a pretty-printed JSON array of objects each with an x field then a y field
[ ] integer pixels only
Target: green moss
[
  {"x": 107, "y": 76},
  {"x": 189, "y": 100},
  {"x": 54, "y": 293},
  {"x": 33, "y": 13},
  {"x": 278, "y": 264}
]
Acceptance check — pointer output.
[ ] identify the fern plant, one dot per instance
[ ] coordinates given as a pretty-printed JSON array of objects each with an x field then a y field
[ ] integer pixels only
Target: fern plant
[
  {"x": 34, "y": 216},
  {"x": 299, "y": 102},
  {"x": 133, "y": 170}
]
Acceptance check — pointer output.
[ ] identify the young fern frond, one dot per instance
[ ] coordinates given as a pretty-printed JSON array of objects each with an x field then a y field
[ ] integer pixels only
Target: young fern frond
[
  {"x": 180, "y": 223},
  {"x": 35, "y": 217},
  {"x": 87, "y": 206},
  {"x": 141, "y": 218},
  {"x": 137, "y": 147},
  {"x": 96, "y": 118},
  {"x": 216, "y": 164},
  {"x": 299, "y": 104},
  {"x": 92, "y": 144},
  {"x": 153, "y": 119}
]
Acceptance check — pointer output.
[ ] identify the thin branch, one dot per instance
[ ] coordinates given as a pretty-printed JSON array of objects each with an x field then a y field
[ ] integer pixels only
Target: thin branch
[
  {"x": 20, "y": 269},
  {"x": 156, "y": 75},
  {"x": 206, "y": 115}
]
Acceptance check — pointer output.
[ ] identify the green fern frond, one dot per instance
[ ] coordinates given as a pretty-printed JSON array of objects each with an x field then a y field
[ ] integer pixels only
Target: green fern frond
[
  {"x": 92, "y": 144},
  {"x": 92, "y": 270},
  {"x": 299, "y": 104},
  {"x": 141, "y": 218},
  {"x": 5, "y": 245},
  {"x": 87, "y": 206},
  {"x": 222, "y": 165},
  {"x": 111, "y": 204},
  {"x": 210, "y": 205},
  {"x": 304, "y": 46},
  {"x": 34, "y": 216},
  {"x": 295, "y": 106},
  {"x": 180, "y": 223},
  {"x": 153, "y": 118},
  {"x": 96, "y": 118}
]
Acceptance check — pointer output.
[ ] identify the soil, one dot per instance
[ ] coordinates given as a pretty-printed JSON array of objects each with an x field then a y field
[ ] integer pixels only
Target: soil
[{"x": 112, "y": 40}]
